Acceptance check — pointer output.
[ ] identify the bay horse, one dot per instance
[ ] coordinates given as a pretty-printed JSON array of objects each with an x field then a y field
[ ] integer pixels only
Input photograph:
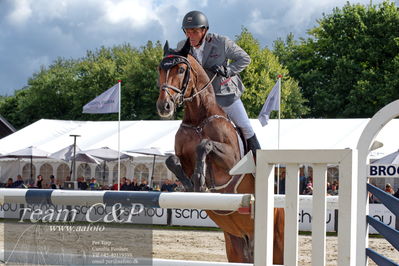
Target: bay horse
[{"x": 206, "y": 148}]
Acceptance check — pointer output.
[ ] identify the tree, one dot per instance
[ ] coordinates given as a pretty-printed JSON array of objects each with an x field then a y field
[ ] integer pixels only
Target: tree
[
  {"x": 261, "y": 75},
  {"x": 61, "y": 90},
  {"x": 349, "y": 65}
]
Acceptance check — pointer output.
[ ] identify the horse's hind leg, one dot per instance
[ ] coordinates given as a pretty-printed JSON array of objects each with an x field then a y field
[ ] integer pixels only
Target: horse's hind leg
[
  {"x": 174, "y": 165},
  {"x": 239, "y": 249},
  {"x": 278, "y": 241}
]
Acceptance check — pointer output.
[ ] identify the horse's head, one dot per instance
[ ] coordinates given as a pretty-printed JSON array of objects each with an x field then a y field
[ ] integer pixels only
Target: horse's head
[{"x": 174, "y": 80}]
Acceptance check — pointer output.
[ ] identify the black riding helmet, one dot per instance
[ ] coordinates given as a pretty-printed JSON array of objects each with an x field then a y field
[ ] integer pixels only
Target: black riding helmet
[{"x": 195, "y": 19}]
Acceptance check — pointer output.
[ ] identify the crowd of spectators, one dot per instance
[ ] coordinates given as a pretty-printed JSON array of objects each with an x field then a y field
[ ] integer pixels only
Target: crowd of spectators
[
  {"x": 92, "y": 184},
  {"x": 388, "y": 189},
  {"x": 306, "y": 185}
]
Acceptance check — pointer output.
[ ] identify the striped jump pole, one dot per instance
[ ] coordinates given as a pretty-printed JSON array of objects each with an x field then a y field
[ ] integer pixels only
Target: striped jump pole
[
  {"x": 193, "y": 200},
  {"x": 182, "y": 200}
]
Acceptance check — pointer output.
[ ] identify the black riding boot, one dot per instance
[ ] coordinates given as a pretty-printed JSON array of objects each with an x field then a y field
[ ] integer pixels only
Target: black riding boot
[{"x": 253, "y": 144}]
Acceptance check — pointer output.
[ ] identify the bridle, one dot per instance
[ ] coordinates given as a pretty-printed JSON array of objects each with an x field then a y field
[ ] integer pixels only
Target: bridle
[{"x": 167, "y": 63}]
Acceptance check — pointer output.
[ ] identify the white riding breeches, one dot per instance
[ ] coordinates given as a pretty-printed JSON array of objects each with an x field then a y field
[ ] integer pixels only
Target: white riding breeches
[{"x": 237, "y": 113}]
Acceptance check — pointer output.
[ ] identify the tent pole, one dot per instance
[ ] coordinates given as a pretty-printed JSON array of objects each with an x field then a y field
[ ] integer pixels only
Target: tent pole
[
  {"x": 31, "y": 169},
  {"x": 152, "y": 173}
]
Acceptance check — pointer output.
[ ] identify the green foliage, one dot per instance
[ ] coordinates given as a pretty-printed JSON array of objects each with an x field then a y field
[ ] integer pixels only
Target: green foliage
[
  {"x": 349, "y": 65},
  {"x": 260, "y": 77},
  {"x": 61, "y": 90}
]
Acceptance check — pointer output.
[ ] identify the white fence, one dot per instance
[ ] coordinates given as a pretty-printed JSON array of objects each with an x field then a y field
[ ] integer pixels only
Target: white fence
[{"x": 264, "y": 194}]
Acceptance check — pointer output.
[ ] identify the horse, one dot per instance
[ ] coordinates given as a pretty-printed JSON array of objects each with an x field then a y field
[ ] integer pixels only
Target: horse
[{"x": 206, "y": 148}]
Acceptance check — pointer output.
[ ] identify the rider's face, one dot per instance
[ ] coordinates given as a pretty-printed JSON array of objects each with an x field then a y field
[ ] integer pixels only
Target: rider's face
[{"x": 195, "y": 36}]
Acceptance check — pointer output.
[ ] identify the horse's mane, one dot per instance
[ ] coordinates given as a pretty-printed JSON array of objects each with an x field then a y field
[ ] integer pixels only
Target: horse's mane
[{"x": 200, "y": 71}]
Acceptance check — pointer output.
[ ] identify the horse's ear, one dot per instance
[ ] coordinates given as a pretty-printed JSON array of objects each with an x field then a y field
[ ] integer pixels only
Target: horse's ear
[
  {"x": 166, "y": 48},
  {"x": 186, "y": 48}
]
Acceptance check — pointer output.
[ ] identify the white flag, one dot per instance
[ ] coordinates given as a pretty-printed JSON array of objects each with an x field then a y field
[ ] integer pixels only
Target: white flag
[
  {"x": 272, "y": 103},
  {"x": 107, "y": 102}
]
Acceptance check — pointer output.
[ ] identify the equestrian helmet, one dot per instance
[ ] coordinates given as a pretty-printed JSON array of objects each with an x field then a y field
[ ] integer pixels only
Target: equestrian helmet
[{"x": 195, "y": 19}]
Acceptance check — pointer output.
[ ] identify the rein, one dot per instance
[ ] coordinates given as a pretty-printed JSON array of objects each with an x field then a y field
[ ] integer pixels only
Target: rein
[
  {"x": 167, "y": 64},
  {"x": 189, "y": 99}
]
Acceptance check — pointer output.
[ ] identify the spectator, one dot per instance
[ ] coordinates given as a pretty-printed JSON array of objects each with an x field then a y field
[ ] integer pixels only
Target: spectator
[
  {"x": 82, "y": 184},
  {"x": 302, "y": 183},
  {"x": 52, "y": 182},
  {"x": 19, "y": 183},
  {"x": 121, "y": 184},
  {"x": 127, "y": 185},
  {"x": 167, "y": 186},
  {"x": 389, "y": 189},
  {"x": 333, "y": 191},
  {"x": 10, "y": 183},
  {"x": 105, "y": 187},
  {"x": 135, "y": 184},
  {"x": 309, "y": 189},
  {"x": 396, "y": 194},
  {"x": 58, "y": 184},
  {"x": 39, "y": 182},
  {"x": 144, "y": 186},
  {"x": 93, "y": 184}
]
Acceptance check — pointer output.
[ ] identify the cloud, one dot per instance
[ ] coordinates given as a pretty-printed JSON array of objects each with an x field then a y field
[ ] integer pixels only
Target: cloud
[
  {"x": 20, "y": 12},
  {"x": 34, "y": 33}
]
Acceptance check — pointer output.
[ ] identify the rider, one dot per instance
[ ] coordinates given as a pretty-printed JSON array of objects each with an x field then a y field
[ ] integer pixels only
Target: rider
[{"x": 213, "y": 52}]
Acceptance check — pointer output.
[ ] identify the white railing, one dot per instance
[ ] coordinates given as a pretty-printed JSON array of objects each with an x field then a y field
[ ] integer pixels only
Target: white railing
[{"x": 264, "y": 194}]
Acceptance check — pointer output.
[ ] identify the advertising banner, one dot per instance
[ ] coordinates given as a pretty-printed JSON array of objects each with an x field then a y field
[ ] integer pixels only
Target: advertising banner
[{"x": 159, "y": 216}]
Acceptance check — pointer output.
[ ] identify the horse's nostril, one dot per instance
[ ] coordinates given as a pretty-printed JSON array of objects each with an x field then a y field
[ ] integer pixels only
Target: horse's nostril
[{"x": 167, "y": 106}]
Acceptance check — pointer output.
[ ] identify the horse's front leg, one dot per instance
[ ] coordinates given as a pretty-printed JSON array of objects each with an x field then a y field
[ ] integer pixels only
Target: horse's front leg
[
  {"x": 198, "y": 178},
  {"x": 224, "y": 159},
  {"x": 174, "y": 165}
]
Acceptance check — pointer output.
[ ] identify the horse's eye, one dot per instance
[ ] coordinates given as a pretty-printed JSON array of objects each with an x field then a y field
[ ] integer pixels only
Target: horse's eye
[{"x": 181, "y": 70}]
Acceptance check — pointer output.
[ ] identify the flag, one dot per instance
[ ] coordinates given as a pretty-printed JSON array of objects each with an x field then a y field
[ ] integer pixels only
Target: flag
[
  {"x": 272, "y": 104},
  {"x": 107, "y": 102}
]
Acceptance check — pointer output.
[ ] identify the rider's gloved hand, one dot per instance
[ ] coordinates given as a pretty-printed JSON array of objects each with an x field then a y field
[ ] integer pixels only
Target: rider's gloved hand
[{"x": 221, "y": 70}]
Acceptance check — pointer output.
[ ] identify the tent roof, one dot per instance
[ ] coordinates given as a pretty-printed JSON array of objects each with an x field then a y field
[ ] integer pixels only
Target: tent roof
[
  {"x": 5, "y": 127},
  {"x": 53, "y": 135}
]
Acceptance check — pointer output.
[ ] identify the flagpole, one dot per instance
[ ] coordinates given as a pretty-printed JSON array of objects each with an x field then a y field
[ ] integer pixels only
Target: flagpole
[
  {"x": 279, "y": 110},
  {"x": 119, "y": 137},
  {"x": 278, "y": 130},
  {"x": 272, "y": 103}
]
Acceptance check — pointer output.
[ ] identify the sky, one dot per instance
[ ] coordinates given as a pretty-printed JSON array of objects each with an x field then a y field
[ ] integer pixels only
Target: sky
[{"x": 33, "y": 33}]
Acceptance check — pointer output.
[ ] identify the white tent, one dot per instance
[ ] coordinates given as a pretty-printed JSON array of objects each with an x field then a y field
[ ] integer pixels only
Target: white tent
[{"x": 53, "y": 135}]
